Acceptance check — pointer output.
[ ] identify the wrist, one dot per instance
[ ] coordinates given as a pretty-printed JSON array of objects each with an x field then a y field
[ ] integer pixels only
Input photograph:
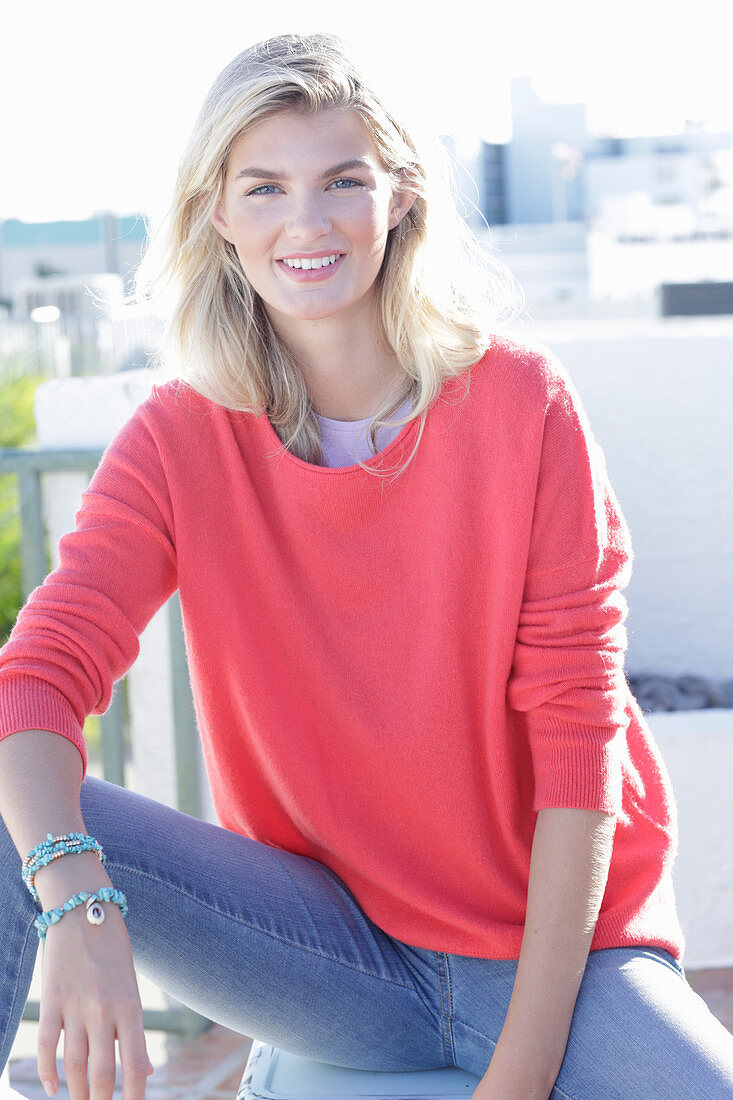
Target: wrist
[
  {"x": 94, "y": 909},
  {"x": 61, "y": 879},
  {"x": 536, "y": 1056},
  {"x": 517, "y": 1077}
]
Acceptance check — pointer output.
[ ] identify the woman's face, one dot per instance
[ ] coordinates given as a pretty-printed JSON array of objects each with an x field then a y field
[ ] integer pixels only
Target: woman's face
[{"x": 299, "y": 190}]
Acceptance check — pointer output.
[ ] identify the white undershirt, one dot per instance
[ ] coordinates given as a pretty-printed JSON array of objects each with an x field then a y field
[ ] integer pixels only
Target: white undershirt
[{"x": 345, "y": 442}]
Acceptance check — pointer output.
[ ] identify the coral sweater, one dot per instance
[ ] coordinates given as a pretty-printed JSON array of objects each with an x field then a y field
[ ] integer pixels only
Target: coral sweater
[{"x": 391, "y": 675}]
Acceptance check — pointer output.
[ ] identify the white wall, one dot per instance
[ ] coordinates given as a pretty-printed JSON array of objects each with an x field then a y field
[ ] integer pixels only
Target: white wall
[
  {"x": 619, "y": 270},
  {"x": 659, "y": 395},
  {"x": 697, "y": 748}
]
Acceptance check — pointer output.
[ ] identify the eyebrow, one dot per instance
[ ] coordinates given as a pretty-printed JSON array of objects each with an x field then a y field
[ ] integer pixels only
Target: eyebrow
[{"x": 264, "y": 174}]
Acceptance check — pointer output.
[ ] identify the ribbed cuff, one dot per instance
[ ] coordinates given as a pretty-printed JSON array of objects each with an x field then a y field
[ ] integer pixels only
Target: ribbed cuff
[
  {"x": 584, "y": 774},
  {"x": 30, "y": 703}
]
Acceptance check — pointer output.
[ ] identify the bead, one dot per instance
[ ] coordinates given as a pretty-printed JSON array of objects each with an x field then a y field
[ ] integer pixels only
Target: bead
[
  {"x": 94, "y": 910},
  {"x": 54, "y": 848}
]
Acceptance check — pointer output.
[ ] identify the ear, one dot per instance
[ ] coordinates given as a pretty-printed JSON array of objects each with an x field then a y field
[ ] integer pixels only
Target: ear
[
  {"x": 401, "y": 203},
  {"x": 219, "y": 222}
]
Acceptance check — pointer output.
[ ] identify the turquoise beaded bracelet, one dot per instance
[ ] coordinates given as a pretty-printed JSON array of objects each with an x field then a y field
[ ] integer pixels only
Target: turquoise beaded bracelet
[
  {"x": 54, "y": 847},
  {"x": 95, "y": 912}
]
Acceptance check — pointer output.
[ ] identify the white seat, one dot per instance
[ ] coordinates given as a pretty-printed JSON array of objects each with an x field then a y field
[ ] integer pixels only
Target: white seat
[
  {"x": 273, "y": 1074},
  {"x": 6, "y": 1092}
]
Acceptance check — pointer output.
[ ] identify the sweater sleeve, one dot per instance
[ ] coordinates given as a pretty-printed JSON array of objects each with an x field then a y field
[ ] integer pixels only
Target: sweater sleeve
[
  {"x": 78, "y": 631},
  {"x": 567, "y": 671}
]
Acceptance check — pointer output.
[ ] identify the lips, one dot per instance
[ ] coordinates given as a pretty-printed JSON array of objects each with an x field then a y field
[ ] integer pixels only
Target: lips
[
  {"x": 314, "y": 274},
  {"x": 307, "y": 261}
]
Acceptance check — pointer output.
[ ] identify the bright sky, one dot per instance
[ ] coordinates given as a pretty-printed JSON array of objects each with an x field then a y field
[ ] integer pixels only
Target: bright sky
[{"x": 98, "y": 98}]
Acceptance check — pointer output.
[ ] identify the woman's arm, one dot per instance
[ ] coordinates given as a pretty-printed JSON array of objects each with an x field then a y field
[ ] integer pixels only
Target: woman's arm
[
  {"x": 40, "y": 780},
  {"x": 89, "y": 984},
  {"x": 571, "y": 853}
]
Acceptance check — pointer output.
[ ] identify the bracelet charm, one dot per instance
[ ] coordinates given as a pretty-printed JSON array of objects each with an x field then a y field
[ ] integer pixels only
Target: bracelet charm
[
  {"x": 92, "y": 902},
  {"x": 95, "y": 912}
]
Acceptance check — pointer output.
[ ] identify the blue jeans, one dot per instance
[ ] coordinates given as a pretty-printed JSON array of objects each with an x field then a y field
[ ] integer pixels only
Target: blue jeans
[{"x": 274, "y": 946}]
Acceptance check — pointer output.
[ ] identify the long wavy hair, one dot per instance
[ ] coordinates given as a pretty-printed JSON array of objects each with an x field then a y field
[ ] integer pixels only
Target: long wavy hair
[{"x": 440, "y": 294}]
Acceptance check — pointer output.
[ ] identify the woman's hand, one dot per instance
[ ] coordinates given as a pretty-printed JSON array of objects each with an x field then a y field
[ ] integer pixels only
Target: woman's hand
[
  {"x": 90, "y": 990},
  {"x": 504, "y": 1080},
  {"x": 496, "y": 1088},
  {"x": 571, "y": 852},
  {"x": 89, "y": 987}
]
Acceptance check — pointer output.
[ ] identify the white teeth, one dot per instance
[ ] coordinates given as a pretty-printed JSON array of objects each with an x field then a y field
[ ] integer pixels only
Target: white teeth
[{"x": 317, "y": 261}]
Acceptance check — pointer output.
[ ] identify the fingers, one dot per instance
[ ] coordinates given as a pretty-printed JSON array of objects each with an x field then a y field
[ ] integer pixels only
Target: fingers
[
  {"x": 49, "y": 1032},
  {"x": 99, "y": 1054},
  {"x": 90, "y": 992},
  {"x": 101, "y": 1063},
  {"x": 136, "y": 1066},
  {"x": 76, "y": 1056}
]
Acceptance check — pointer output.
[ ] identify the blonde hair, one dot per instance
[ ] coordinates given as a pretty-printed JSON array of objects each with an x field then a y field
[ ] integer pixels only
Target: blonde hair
[{"x": 440, "y": 294}]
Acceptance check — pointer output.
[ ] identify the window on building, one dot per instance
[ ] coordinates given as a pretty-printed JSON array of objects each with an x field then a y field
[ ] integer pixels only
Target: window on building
[{"x": 663, "y": 173}]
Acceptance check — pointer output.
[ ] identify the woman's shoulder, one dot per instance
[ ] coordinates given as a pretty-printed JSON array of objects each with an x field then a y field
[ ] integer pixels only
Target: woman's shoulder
[
  {"x": 172, "y": 427},
  {"x": 517, "y": 369},
  {"x": 175, "y": 407},
  {"x": 176, "y": 398}
]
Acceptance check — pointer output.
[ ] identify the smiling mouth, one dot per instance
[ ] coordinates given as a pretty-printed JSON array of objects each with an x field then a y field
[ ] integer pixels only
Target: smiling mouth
[
  {"x": 306, "y": 270},
  {"x": 311, "y": 263}
]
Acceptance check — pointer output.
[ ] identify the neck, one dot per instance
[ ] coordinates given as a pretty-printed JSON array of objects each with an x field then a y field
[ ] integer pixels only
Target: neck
[{"x": 348, "y": 370}]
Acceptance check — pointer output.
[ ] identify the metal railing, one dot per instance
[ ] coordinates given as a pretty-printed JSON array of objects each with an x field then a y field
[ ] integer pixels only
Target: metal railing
[
  {"x": 29, "y": 466},
  {"x": 75, "y": 344}
]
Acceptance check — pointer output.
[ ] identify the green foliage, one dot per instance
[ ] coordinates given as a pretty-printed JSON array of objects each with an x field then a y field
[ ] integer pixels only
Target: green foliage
[
  {"x": 17, "y": 429},
  {"x": 93, "y": 736}
]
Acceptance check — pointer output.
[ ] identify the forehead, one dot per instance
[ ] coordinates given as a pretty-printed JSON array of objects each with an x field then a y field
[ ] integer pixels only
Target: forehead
[{"x": 306, "y": 139}]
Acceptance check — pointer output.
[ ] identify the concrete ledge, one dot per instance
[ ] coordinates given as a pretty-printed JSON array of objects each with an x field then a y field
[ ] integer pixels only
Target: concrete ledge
[{"x": 697, "y": 747}]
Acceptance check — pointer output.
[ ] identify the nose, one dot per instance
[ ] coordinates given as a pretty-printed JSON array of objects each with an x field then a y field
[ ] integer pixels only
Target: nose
[{"x": 307, "y": 220}]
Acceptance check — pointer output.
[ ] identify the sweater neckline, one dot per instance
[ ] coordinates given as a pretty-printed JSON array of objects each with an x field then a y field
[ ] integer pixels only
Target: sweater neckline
[{"x": 403, "y": 436}]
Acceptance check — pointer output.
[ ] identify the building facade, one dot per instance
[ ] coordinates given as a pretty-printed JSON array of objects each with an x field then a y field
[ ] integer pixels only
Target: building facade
[{"x": 102, "y": 244}]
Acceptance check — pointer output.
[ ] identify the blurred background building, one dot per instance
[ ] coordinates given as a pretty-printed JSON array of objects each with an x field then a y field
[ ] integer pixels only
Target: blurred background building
[
  {"x": 63, "y": 287},
  {"x": 594, "y": 225},
  {"x": 28, "y": 252},
  {"x": 589, "y": 225}
]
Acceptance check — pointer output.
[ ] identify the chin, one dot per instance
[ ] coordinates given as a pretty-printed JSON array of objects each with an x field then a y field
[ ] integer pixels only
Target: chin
[
  {"x": 312, "y": 311},
  {"x": 321, "y": 314}
]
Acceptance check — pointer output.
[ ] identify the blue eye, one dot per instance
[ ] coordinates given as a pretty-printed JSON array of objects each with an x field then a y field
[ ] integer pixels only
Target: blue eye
[
  {"x": 265, "y": 188},
  {"x": 271, "y": 188}
]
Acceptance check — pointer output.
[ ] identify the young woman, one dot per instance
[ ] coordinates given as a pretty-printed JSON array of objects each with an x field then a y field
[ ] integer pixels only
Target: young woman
[{"x": 446, "y": 833}]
